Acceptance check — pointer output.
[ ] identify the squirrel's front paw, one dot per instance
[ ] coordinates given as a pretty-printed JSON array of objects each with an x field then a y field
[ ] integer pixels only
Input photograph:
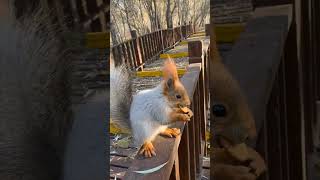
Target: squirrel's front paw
[
  {"x": 185, "y": 117},
  {"x": 147, "y": 150},
  {"x": 171, "y": 132},
  {"x": 179, "y": 117},
  {"x": 187, "y": 111}
]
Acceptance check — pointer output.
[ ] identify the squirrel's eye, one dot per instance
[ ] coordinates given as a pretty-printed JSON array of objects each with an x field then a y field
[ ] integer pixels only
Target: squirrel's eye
[
  {"x": 178, "y": 96},
  {"x": 219, "y": 110}
]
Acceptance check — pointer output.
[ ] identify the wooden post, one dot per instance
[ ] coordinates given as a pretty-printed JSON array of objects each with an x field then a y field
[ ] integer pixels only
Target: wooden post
[
  {"x": 137, "y": 48},
  {"x": 207, "y": 29},
  {"x": 184, "y": 31},
  {"x": 185, "y": 153},
  {"x": 195, "y": 51}
]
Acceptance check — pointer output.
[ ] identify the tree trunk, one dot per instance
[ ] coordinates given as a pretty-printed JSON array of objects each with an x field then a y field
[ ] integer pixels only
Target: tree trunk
[
  {"x": 169, "y": 15},
  {"x": 156, "y": 17},
  {"x": 127, "y": 17}
]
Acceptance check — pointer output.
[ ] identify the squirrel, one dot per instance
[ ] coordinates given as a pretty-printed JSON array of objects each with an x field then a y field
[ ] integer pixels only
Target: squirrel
[
  {"x": 233, "y": 119},
  {"x": 151, "y": 111},
  {"x": 35, "y": 104},
  {"x": 233, "y": 124}
]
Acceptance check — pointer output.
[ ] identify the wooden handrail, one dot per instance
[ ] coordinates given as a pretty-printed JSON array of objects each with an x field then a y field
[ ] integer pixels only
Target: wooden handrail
[{"x": 264, "y": 62}]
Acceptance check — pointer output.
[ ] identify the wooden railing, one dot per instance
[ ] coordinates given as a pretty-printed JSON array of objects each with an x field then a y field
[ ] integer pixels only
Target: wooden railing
[
  {"x": 265, "y": 62},
  {"x": 182, "y": 155},
  {"x": 135, "y": 52}
]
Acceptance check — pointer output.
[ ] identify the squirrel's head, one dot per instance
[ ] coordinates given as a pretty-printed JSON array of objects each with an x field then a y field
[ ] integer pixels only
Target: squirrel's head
[
  {"x": 172, "y": 87},
  {"x": 233, "y": 119}
]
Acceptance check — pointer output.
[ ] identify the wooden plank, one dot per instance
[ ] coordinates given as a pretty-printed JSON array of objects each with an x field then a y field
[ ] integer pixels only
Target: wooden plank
[
  {"x": 185, "y": 153},
  {"x": 197, "y": 123},
  {"x": 260, "y": 48},
  {"x": 120, "y": 161},
  {"x": 175, "y": 174},
  {"x": 284, "y": 121},
  {"x": 149, "y": 47},
  {"x": 117, "y": 172},
  {"x": 192, "y": 145},
  {"x": 124, "y": 152},
  {"x": 133, "y": 51},
  {"x": 142, "y": 50},
  {"x": 129, "y": 54},
  {"x": 153, "y": 45},
  {"x": 294, "y": 104},
  {"x": 195, "y": 51},
  {"x": 273, "y": 120}
]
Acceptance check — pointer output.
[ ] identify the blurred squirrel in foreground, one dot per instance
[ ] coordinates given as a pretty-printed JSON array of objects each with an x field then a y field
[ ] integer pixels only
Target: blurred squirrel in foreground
[
  {"x": 233, "y": 126},
  {"x": 150, "y": 111},
  {"x": 35, "y": 107}
]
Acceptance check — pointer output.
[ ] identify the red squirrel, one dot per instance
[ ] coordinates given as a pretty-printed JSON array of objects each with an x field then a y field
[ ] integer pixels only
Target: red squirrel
[
  {"x": 149, "y": 112},
  {"x": 233, "y": 124}
]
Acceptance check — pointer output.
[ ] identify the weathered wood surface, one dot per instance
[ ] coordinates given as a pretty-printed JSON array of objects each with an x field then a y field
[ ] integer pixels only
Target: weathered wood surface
[
  {"x": 85, "y": 151},
  {"x": 255, "y": 58}
]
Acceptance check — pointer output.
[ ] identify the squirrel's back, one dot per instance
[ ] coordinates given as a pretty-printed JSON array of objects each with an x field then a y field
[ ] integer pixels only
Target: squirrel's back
[{"x": 35, "y": 107}]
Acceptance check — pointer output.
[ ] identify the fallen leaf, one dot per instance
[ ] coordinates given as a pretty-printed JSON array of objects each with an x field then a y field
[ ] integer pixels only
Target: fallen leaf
[{"x": 123, "y": 143}]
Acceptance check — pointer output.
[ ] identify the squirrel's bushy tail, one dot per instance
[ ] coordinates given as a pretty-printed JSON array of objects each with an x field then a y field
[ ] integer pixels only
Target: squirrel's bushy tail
[
  {"x": 35, "y": 107},
  {"x": 120, "y": 95}
]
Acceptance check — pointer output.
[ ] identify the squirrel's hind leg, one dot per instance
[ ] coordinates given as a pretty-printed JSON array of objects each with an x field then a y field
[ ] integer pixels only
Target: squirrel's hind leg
[{"x": 147, "y": 149}]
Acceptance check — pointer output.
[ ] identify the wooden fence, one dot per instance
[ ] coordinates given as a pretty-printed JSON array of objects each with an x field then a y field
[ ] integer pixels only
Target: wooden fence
[{"x": 135, "y": 52}]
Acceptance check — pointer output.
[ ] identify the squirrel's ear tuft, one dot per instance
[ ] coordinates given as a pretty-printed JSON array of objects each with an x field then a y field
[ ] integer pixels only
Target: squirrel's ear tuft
[
  {"x": 170, "y": 83},
  {"x": 170, "y": 70}
]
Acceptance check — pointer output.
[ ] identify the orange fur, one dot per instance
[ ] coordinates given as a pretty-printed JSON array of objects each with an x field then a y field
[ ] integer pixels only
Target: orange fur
[{"x": 170, "y": 70}]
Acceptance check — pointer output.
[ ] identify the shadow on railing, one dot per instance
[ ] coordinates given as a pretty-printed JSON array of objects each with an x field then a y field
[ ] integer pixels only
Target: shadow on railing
[{"x": 135, "y": 52}]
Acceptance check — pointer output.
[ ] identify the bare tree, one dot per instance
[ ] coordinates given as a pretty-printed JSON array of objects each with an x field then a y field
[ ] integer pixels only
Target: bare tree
[
  {"x": 146, "y": 16},
  {"x": 169, "y": 12}
]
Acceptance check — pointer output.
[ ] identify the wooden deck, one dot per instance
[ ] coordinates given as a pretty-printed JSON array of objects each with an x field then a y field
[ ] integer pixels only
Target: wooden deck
[{"x": 183, "y": 156}]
